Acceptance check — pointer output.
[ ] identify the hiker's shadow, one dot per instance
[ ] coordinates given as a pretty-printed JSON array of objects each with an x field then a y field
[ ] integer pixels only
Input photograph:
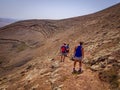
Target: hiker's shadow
[{"x": 77, "y": 73}]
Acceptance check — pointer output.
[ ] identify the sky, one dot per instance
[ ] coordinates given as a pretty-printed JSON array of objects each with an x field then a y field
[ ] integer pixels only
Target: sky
[{"x": 51, "y": 9}]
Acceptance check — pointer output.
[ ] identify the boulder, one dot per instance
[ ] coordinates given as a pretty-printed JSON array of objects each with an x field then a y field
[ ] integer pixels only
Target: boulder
[{"x": 95, "y": 67}]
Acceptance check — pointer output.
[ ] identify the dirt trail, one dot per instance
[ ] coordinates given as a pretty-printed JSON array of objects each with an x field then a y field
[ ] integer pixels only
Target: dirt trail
[{"x": 88, "y": 80}]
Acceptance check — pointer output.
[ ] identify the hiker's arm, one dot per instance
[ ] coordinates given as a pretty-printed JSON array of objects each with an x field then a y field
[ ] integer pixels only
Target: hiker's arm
[
  {"x": 83, "y": 52},
  {"x": 74, "y": 50}
]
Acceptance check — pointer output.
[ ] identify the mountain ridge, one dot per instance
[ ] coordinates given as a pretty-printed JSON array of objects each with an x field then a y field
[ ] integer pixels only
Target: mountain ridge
[{"x": 29, "y": 56}]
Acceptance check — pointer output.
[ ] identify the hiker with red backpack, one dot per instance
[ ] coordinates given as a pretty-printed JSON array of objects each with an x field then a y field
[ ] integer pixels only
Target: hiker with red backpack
[
  {"x": 78, "y": 56},
  {"x": 63, "y": 52}
]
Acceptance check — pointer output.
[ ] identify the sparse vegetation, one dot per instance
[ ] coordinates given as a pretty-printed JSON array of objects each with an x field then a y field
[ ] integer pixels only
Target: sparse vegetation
[
  {"x": 22, "y": 47},
  {"x": 2, "y": 59},
  {"x": 110, "y": 76}
]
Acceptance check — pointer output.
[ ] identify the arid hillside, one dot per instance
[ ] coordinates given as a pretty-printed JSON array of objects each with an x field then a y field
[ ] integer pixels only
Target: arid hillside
[{"x": 29, "y": 53}]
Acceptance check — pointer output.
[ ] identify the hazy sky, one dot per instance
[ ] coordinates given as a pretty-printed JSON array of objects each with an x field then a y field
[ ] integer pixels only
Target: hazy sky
[{"x": 51, "y": 9}]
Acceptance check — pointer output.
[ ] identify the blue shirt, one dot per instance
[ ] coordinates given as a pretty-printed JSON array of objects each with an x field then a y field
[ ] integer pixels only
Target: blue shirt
[{"x": 78, "y": 52}]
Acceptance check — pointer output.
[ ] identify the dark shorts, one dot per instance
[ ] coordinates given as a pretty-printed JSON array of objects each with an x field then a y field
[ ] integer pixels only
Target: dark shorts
[
  {"x": 67, "y": 51},
  {"x": 63, "y": 54}
]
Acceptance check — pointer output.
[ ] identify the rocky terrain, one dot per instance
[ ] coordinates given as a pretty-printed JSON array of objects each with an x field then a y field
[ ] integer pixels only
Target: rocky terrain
[{"x": 30, "y": 59}]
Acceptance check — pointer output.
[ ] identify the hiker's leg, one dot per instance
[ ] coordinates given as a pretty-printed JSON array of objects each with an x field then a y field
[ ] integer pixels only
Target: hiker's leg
[
  {"x": 80, "y": 65},
  {"x": 74, "y": 71},
  {"x": 63, "y": 58},
  {"x": 75, "y": 61},
  {"x": 67, "y": 54}
]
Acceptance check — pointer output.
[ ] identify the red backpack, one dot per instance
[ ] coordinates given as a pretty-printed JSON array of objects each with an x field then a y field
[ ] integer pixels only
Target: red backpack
[{"x": 63, "y": 49}]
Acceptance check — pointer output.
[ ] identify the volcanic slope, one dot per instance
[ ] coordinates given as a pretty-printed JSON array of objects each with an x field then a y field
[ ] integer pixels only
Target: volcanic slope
[{"x": 29, "y": 55}]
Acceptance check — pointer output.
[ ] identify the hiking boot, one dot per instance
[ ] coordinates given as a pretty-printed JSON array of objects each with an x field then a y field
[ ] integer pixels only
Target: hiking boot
[
  {"x": 60, "y": 60},
  {"x": 79, "y": 71},
  {"x": 74, "y": 71}
]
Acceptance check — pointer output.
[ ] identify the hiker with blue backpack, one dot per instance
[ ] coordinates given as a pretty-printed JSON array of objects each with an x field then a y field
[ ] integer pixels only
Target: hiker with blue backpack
[
  {"x": 67, "y": 49},
  {"x": 63, "y": 52},
  {"x": 78, "y": 56}
]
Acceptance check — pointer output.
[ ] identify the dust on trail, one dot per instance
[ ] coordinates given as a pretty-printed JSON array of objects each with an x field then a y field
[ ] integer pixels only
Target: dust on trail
[{"x": 87, "y": 80}]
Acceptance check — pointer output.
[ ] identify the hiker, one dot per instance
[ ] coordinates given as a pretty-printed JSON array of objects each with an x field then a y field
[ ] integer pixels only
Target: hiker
[
  {"x": 63, "y": 52},
  {"x": 78, "y": 56},
  {"x": 67, "y": 49}
]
